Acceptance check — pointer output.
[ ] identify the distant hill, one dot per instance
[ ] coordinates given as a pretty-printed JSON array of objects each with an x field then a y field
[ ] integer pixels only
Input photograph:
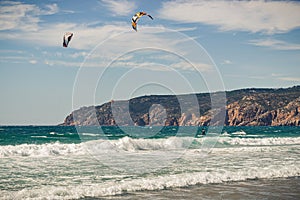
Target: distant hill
[{"x": 245, "y": 107}]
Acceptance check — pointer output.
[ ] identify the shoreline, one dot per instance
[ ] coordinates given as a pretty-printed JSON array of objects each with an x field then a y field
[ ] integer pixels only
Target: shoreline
[{"x": 279, "y": 188}]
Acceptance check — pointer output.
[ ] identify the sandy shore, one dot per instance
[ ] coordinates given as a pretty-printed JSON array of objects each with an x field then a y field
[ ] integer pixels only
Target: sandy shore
[{"x": 287, "y": 189}]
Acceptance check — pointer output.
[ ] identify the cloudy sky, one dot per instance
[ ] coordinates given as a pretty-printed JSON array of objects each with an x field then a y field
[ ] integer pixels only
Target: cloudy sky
[{"x": 190, "y": 46}]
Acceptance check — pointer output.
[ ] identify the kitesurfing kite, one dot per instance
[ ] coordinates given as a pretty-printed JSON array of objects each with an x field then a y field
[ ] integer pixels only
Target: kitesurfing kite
[
  {"x": 136, "y": 17},
  {"x": 67, "y": 38}
]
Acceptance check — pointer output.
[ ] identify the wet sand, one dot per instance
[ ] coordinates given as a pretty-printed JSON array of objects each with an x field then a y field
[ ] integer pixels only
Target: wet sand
[{"x": 275, "y": 189}]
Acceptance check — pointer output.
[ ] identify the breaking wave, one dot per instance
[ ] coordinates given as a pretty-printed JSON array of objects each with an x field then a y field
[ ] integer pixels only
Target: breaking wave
[
  {"x": 135, "y": 145},
  {"x": 152, "y": 183}
]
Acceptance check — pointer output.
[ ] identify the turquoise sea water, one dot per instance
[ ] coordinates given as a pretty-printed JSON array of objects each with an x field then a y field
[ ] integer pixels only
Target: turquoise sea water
[
  {"x": 57, "y": 162},
  {"x": 16, "y": 135}
]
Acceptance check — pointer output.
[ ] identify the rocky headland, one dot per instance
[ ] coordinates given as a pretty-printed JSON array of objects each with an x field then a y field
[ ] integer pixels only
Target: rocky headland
[{"x": 245, "y": 107}]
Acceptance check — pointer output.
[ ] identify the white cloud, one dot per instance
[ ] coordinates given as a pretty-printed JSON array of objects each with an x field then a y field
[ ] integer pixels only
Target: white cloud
[
  {"x": 226, "y": 62},
  {"x": 267, "y": 17},
  {"x": 158, "y": 63},
  {"x": 14, "y": 57},
  {"x": 110, "y": 40},
  {"x": 275, "y": 75},
  {"x": 6, "y": 51},
  {"x": 33, "y": 61},
  {"x": 21, "y": 16},
  {"x": 153, "y": 66},
  {"x": 285, "y": 77},
  {"x": 291, "y": 79},
  {"x": 18, "y": 58},
  {"x": 51, "y": 9},
  {"x": 85, "y": 36},
  {"x": 275, "y": 44},
  {"x": 63, "y": 63},
  {"x": 79, "y": 54},
  {"x": 120, "y": 7},
  {"x": 192, "y": 67}
]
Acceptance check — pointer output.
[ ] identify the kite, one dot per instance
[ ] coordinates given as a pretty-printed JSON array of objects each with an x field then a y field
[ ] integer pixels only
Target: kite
[
  {"x": 136, "y": 17},
  {"x": 67, "y": 38}
]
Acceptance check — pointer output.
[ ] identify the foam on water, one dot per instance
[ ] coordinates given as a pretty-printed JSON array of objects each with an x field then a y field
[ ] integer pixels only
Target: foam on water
[
  {"x": 259, "y": 141},
  {"x": 152, "y": 183},
  {"x": 73, "y": 174},
  {"x": 239, "y": 133},
  {"x": 76, "y": 169},
  {"x": 135, "y": 145},
  {"x": 38, "y": 136},
  {"x": 90, "y": 134},
  {"x": 47, "y": 149}
]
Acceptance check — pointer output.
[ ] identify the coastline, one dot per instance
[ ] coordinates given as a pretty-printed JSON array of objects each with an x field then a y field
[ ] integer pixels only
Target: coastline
[
  {"x": 56, "y": 163},
  {"x": 279, "y": 188}
]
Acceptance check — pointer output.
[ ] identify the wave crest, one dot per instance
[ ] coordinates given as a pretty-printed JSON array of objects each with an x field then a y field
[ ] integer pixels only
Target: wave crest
[{"x": 134, "y": 145}]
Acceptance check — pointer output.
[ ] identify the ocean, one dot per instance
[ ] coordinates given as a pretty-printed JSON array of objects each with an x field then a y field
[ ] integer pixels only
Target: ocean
[{"x": 58, "y": 162}]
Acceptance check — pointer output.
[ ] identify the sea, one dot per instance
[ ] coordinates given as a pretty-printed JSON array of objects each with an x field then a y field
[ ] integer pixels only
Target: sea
[{"x": 68, "y": 162}]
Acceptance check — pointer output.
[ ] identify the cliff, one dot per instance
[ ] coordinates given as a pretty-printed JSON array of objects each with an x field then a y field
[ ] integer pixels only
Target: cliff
[{"x": 246, "y": 107}]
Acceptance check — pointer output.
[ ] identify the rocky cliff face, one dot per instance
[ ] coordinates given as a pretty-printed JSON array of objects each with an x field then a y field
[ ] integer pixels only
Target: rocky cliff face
[
  {"x": 247, "y": 107},
  {"x": 249, "y": 112}
]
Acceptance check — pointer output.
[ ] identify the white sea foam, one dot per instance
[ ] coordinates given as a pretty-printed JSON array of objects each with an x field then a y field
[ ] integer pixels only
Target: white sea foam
[
  {"x": 90, "y": 134},
  {"x": 38, "y": 136},
  {"x": 225, "y": 134},
  {"x": 130, "y": 144},
  {"x": 67, "y": 171},
  {"x": 152, "y": 183},
  {"x": 135, "y": 145},
  {"x": 55, "y": 133},
  {"x": 241, "y": 132},
  {"x": 259, "y": 141},
  {"x": 40, "y": 150}
]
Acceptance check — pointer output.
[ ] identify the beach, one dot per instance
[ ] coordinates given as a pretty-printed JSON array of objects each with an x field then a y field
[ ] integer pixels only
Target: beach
[
  {"x": 251, "y": 189},
  {"x": 68, "y": 163}
]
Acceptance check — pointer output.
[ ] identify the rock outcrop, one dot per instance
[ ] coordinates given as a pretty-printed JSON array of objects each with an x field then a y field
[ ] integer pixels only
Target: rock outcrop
[{"x": 246, "y": 107}]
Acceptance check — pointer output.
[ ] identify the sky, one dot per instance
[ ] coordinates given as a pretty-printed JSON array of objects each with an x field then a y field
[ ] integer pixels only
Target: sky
[{"x": 190, "y": 46}]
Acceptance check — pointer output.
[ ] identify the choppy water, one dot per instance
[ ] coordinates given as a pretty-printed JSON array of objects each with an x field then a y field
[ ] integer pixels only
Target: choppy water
[{"x": 40, "y": 162}]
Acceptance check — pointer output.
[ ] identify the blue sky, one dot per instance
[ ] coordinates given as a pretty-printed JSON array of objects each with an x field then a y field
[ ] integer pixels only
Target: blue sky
[{"x": 190, "y": 46}]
